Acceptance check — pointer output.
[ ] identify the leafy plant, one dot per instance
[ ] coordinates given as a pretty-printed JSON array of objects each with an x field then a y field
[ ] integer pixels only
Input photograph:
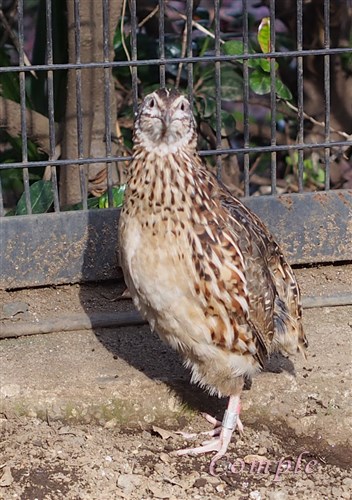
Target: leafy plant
[
  {"x": 313, "y": 172},
  {"x": 41, "y": 198},
  {"x": 118, "y": 195},
  {"x": 260, "y": 69}
]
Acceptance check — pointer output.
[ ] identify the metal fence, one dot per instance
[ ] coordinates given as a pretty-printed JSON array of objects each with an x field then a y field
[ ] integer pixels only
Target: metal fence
[{"x": 68, "y": 246}]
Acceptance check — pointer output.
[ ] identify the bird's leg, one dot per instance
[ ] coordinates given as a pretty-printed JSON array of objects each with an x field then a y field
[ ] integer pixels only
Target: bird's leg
[
  {"x": 219, "y": 444},
  {"x": 218, "y": 424},
  {"x": 215, "y": 431}
]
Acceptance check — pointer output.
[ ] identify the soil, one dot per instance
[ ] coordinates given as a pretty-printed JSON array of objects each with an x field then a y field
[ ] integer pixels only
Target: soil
[{"x": 92, "y": 415}]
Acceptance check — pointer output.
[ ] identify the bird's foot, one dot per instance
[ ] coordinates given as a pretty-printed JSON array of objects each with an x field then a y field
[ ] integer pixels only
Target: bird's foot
[
  {"x": 213, "y": 432},
  {"x": 223, "y": 430},
  {"x": 218, "y": 444}
]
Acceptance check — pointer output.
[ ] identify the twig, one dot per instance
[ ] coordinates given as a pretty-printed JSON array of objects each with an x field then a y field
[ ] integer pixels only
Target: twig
[
  {"x": 197, "y": 25},
  {"x": 122, "y": 32},
  {"x": 255, "y": 164},
  {"x": 14, "y": 39},
  {"x": 183, "y": 53},
  {"x": 320, "y": 124},
  {"x": 149, "y": 16}
]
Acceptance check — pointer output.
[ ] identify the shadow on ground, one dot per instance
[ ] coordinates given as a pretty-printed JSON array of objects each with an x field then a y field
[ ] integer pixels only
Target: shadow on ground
[{"x": 144, "y": 351}]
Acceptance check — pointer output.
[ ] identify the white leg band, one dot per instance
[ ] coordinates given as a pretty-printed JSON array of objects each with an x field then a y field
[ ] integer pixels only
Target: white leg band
[{"x": 230, "y": 420}]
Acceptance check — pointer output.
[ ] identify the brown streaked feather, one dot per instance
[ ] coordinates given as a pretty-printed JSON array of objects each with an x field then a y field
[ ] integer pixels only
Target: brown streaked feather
[
  {"x": 286, "y": 310},
  {"x": 202, "y": 268}
]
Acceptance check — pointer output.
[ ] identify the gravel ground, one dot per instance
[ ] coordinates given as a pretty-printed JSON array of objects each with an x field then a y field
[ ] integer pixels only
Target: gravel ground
[
  {"x": 44, "y": 460},
  {"x": 299, "y": 426}
]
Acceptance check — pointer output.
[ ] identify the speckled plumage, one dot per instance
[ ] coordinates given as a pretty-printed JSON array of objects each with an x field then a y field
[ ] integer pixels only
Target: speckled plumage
[{"x": 201, "y": 268}]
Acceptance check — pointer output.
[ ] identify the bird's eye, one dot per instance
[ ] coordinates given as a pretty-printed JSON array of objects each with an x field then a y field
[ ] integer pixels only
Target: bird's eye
[
  {"x": 182, "y": 107},
  {"x": 151, "y": 103}
]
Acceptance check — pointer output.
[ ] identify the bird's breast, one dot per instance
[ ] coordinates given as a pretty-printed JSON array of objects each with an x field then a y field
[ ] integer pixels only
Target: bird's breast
[{"x": 158, "y": 270}]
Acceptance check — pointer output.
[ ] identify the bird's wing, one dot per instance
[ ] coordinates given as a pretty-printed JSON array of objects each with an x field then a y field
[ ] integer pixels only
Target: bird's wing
[
  {"x": 226, "y": 259},
  {"x": 280, "y": 312}
]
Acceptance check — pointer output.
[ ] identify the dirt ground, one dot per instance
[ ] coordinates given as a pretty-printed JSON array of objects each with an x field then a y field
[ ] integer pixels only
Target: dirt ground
[{"x": 298, "y": 422}]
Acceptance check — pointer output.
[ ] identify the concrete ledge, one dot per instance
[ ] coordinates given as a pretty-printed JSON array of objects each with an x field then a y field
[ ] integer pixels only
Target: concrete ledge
[{"x": 126, "y": 377}]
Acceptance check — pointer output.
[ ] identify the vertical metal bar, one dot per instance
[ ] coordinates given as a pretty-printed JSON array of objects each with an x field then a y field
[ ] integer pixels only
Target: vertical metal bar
[
  {"x": 134, "y": 70},
  {"x": 245, "y": 99},
  {"x": 22, "y": 79},
  {"x": 2, "y": 211},
  {"x": 300, "y": 93},
  {"x": 162, "y": 41},
  {"x": 217, "y": 85},
  {"x": 82, "y": 168},
  {"x": 107, "y": 97},
  {"x": 189, "y": 28},
  {"x": 272, "y": 98},
  {"x": 327, "y": 104},
  {"x": 50, "y": 83}
]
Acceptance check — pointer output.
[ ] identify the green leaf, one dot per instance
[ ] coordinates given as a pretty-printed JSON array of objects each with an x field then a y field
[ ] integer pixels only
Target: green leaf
[
  {"x": 118, "y": 195},
  {"x": 264, "y": 35},
  {"x": 92, "y": 203},
  {"x": 233, "y": 48},
  {"x": 231, "y": 84},
  {"x": 117, "y": 42},
  {"x": 11, "y": 179},
  {"x": 41, "y": 196},
  {"x": 9, "y": 82},
  {"x": 259, "y": 82},
  {"x": 208, "y": 105},
  {"x": 265, "y": 65},
  {"x": 231, "y": 88},
  {"x": 282, "y": 91},
  {"x": 204, "y": 46},
  {"x": 228, "y": 123}
]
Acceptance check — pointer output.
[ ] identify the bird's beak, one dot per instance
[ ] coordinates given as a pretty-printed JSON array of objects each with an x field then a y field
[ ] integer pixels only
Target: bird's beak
[{"x": 166, "y": 120}]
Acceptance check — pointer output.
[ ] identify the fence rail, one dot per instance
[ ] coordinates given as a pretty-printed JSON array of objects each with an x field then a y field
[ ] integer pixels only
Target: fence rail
[{"x": 64, "y": 246}]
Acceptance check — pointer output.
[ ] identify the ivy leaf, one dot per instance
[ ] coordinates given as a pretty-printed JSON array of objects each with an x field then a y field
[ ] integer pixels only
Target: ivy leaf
[
  {"x": 235, "y": 48},
  {"x": 231, "y": 84},
  {"x": 228, "y": 123},
  {"x": 264, "y": 35},
  {"x": 208, "y": 105},
  {"x": 118, "y": 195},
  {"x": 282, "y": 91},
  {"x": 259, "y": 82},
  {"x": 265, "y": 65},
  {"x": 41, "y": 196}
]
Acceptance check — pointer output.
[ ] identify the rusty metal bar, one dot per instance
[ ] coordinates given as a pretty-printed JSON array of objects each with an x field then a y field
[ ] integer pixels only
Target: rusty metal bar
[
  {"x": 245, "y": 29},
  {"x": 208, "y": 152},
  {"x": 176, "y": 60}
]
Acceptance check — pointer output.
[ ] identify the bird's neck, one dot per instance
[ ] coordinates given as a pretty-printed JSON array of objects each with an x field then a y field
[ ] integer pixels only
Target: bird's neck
[{"x": 162, "y": 182}]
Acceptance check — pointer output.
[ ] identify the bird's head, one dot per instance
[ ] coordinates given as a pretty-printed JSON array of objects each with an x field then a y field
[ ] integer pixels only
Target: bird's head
[{"x": 165, "y": 123}]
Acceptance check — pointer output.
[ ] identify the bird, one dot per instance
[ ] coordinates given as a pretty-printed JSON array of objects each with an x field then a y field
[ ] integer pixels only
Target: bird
[{"x": 202, "y": 269}]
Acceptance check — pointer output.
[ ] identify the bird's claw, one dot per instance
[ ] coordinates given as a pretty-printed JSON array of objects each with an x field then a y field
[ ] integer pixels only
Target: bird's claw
[{"x": 213, "y": 445}]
